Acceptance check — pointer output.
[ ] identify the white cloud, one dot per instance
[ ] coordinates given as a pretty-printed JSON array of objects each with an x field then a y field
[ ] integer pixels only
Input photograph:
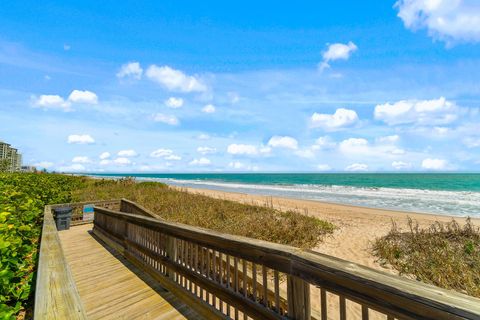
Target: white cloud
[
  {"x": 73, "y": 168},
  {"x": 127, "y": 153},
  {"x": 388, "y": 139},
  {"x": 352, "y": 144},
  {"x": 104, "y": 155},
  {"x": 340, "y": 119},
  {"x": 472, "y": 142},
  {"x": 237, "y": 165},
  {"x": 324, "y": 167},
  {"x": 122, "y": 161},
  {"x": 80, "y": 139},
  {"x": 239, "y": 149},
  {"x": 174, "y": 103},
  {"x": 397, "y": 151},
  {"x": 305, "y": 153},
  {"x": 209, "y": 108},
  {"x": 337, "y": 51},
  {"x": 105, "y": 162},
  {"x": 43, "y": 164},
  {"x": 324, "y": 143},
  {"x": 400, "y": 165},
  {"x": 81, "y": 159},
  {"x": 166, "y": 154},
  {"x": 451, "y": 21},
  {"x": 200, "y": 162},
  {"x": 79, "y": 96},
  {"x": 424, "y": 112},
  {"x": 434, "y": 164},
  {"x": 131, "y": 69},
  {"x": 357, "y": 167},
  {"x": 51, "y": 101},
  {"x": 168, "y": 119},
  {"x": 206, "y": 150},
  {"x": 203, "y": 136},
  {"x": 175, "y": 80},
  {"x": 283, "y": 142}
]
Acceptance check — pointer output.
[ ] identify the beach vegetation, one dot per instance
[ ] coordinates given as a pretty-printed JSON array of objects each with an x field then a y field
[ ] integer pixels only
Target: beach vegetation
[{"x": 446, "y": 255}]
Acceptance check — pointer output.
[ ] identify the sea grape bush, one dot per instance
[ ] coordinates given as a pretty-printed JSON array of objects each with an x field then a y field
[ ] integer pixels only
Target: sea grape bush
[{"x": 22, "y": 200}]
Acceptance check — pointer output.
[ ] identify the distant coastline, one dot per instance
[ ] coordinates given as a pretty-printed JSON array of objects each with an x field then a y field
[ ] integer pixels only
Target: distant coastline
[{"x": 452, "y": 194}]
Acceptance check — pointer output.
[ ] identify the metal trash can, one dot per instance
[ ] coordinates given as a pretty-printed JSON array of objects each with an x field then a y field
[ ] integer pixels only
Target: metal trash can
[{"x": 62, "y": 217}]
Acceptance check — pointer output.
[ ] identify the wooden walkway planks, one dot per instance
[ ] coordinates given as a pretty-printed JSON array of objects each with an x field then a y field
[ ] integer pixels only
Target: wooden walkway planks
[{"x": 112, "y": 288}]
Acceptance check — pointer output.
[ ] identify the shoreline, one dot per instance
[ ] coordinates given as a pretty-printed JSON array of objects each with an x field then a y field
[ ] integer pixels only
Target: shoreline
[{"x": 356, "y": 227}]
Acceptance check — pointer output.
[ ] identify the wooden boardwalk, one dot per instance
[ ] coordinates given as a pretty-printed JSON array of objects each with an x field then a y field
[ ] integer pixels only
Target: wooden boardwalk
[{"x": 110, "y": 287}]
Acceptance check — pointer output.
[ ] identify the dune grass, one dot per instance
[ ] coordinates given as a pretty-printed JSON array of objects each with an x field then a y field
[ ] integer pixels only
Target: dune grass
[
  {"x": 445, "y": 254},
  {"x": 259, "y": 222}
]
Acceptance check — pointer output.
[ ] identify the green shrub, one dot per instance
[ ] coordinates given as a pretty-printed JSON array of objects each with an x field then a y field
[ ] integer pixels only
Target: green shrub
[{"x": 445, "y": 254}]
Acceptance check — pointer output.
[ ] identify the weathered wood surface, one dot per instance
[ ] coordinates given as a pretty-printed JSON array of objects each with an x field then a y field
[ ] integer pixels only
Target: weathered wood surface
[
  {"x": 395, "y": 296},
  {"x": 111, "y": 287},
  {"x": 56, "y": 295},
  {"x": 77, "y": 214}
]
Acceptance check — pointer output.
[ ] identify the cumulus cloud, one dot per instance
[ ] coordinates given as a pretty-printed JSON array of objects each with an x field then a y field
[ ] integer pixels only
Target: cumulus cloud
[
  {"x": 451, "y": 21},
  {"x": 165, "y": 118},
  {"x": 283, "y": 142},
  {"x": 174, "y": 103},
  {"x": 472, "y": 142},
  {"x": 43, "y": 164},
  {"x": 200, "y": 162},
  {"x": 324, "y": 143},
  {"x": 209, "y": 108},
  {"x": 351, "y": 144},
  {"x": 175, "y": 80},
  {"x": 340, "y": 119},
  {"x": 324, "y": 167},
  {"x": 130, "y": 69},
  {"x": 122, "y": 161},
  {"x": 357, "y": 167},
  {"x": 51, "y": 101},
  {"x": 388, "y": 139},
  {"x": 79, "y": 96},
  {"x": 237, "y": 165},
  {"x": 203, "y": 136},
  {"x": 337, "y": 51},
  {"x": 206, "y": 150},
  {"x": 73, "y": 168},
  {"x": 422, "y": 112},
  {"x": 400, "y": 165},
  {"x": 105, "y": 162},
  {"x": 81, "y": 159},
  {"x": 127, "y": 153},
  {"x": 104, "y": 155},
  {"x": 166, "y": 154},
  {"x": 80, "y": 139},
  {"x": 434, "y": 164},
  {"x": 305, "y": 153},
  {"x": 242, "y": 149}
]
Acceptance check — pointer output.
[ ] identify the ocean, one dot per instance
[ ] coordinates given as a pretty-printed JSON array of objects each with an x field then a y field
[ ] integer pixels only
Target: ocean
[{"x": 455, "y": 194}]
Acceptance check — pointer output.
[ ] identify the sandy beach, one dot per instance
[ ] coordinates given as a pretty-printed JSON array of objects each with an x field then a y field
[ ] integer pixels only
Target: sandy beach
[{"x": 357, "y": 227}]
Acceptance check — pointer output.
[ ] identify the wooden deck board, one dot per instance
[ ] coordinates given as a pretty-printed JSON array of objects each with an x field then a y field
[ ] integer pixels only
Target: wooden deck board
[{"x": 110, "y": 286}]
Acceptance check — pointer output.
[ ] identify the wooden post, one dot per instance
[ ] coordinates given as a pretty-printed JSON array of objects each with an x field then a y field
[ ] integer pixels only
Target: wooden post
[
  {"x": 298, "y": 292},
  {"x": 171, "y": 254}
]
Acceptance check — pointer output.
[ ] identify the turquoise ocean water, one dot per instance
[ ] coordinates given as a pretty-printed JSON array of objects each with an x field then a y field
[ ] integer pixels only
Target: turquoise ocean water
[{"x": 456, "y": 194}]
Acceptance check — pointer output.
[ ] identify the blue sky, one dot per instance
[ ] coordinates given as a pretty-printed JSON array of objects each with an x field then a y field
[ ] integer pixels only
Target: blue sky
[{"x": 217, "y": 86}]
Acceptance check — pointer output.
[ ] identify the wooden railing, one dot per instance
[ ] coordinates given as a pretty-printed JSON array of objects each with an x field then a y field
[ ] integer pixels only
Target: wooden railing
[
  {"x": 225, "y": 276},
  {"x": 79, "y": 216},
  {"x": 56, "y": 295}
]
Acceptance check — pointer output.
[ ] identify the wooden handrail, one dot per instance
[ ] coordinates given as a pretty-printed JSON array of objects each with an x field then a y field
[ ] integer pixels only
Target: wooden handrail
[{"x": 184, "y": 255}]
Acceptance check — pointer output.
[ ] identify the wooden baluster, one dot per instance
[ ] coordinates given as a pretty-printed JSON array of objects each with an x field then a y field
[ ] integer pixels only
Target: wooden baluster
[
  {"x": 254, "y": 281},
  {"x": 264, "y": 280},
  {"x": 323, "y": 303},
  {"x": 214, "y": 265},
  {"x": 209, "y": 267},
  {"x": 235, "y": 276},
  {"x": 276, "y": 281},
  {"x": 245, "y": 284},
  {"x": 343, "y": 309},
  {"x": 364, "y": 312},
  {"x": 228, "y": 271},
  {"x": 171, "y": 252}
]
